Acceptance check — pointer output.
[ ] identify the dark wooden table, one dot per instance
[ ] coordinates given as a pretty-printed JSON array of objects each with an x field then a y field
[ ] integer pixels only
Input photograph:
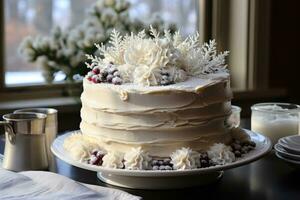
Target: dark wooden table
[{"x": 268, "y": 178}]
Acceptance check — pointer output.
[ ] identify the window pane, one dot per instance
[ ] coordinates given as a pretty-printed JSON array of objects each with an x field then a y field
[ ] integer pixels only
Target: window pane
[
  {"x": 37, "y": 17},
  {"x": 179, "y": 12},
  {"x": 34, "y": 17}
]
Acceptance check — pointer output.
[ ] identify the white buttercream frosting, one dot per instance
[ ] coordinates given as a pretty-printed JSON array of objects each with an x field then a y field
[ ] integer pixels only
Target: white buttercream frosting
[
  {"x": 80, "y": 146},
  {"x": 185, "y": 158},
  {"x": 221, "y": 154},
  {"x": 160, "y": 119},
  {"x": 137, "y": 159},
  {"x": 113, "y": 160}
]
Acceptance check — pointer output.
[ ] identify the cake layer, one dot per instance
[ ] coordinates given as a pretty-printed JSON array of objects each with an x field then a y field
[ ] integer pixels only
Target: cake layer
[
  {"x": 158, "y": 119},
  {"x": 152, "y": 135},
  {"x": 195, "y": 93},
  {"x": 160, "y": 147},
  {"x": 154, "y": 119}
]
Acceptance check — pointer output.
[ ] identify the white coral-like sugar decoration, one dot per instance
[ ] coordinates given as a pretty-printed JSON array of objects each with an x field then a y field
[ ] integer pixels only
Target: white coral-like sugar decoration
[
  {"x": 140, "y": 59},
  {"x": 185, "y": 158},
  {"x": 137, "y": 159},
  {"x": 80, "y": 146}
]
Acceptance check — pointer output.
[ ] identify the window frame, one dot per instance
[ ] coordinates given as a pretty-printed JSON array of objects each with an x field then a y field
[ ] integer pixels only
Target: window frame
[
  {"x": 2, "y": 47},
  {"x": 254, "y": 60}
]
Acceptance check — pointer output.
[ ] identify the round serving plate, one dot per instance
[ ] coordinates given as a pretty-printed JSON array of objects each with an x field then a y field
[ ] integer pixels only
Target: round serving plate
[{"x": 150, "y": 179}]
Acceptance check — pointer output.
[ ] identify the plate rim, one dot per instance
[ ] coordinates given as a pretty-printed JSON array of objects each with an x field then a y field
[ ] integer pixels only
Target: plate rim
[
  {"x": 152, "y": 173},
  {"x": 287, "y": 160},
  {"x": 285, "y": 153},
  {"x": 287, "y": 147}
]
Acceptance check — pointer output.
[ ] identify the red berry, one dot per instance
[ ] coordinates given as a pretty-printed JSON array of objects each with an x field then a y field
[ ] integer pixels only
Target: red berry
[
  {"x": 89, "y": 78},
  {"x": 96, "y": 79},
  {"x": 96, "y": 70}
]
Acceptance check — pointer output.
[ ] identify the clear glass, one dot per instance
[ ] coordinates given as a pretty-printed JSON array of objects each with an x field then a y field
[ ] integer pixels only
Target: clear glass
[
  {"x": 235, "y": 117},
  {"x": 275, "y": 120},
  {"x": 32, "y": 17}
]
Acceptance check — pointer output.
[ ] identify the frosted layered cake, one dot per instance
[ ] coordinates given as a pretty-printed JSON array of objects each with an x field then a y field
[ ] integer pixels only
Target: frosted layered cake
[{"x": 159, "y": 103}]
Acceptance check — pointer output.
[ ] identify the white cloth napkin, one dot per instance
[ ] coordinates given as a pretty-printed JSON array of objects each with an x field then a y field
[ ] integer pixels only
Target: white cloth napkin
[{"x": 36, "y": 185}]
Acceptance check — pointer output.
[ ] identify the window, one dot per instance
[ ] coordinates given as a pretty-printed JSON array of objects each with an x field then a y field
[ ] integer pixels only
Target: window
[
  {"x": 32, "y": 17},
  {"x": 233, "y": 23}
]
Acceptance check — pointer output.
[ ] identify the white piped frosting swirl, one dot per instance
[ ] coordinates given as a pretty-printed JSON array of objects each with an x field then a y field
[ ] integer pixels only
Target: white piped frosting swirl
[
  {"x": 137, "y": 159},
  {"x": 113, "y": 160},
  {"x": 185, "y": 158},
  {"x": 80, "y": 146},
  {"x": 221, "y": 154}
]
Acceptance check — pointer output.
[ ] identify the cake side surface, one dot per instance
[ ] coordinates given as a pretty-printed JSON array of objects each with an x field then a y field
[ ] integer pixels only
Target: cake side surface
[{"x": 160, "y": 120}]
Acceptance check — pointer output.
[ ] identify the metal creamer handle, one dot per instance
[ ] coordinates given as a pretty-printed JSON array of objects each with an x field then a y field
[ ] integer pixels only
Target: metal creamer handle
[{"x": 9, "y": 130}]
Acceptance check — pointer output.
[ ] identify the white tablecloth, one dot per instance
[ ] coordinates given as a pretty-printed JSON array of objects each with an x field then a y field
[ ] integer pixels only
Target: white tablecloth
[{"x": 35, "y": 185}]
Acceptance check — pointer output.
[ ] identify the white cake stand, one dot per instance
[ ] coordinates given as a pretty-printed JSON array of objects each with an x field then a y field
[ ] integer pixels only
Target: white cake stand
[{"x": 150, "y": 179}]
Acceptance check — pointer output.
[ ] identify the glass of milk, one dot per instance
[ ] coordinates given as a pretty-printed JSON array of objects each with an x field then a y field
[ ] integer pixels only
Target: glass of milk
[
  {"x": 235, "y": 117},
  {"x": 275, "y": 120}
]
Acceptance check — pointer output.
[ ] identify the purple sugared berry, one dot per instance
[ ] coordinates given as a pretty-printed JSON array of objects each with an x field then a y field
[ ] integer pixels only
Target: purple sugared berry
[
  {"x": 167, "y": 161},
  {"x": 117, "y": 73},
  {"x": 104, "y": 73},
  {"x": 237, "y": 154},
  {"x": 94, "y": 152},
  {"x": 117, "y": 81},
  {"x": 160, "y": 162},
  {"x": 112, "y": 70},
  {"x": 154, "y": 162},
  {"x": 109, "y": 78},
  {"x": 96, "y": 157}
]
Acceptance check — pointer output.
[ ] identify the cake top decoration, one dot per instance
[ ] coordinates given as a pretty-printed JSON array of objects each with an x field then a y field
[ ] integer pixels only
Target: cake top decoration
[{"x": 161, "y": 59}]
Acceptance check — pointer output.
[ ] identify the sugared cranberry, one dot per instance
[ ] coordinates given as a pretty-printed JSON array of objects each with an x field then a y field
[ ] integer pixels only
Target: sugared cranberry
[
  {"x": 96, "y": 157},
  {"x": 96, "y": 70},
  {"x": 96, "y": 79}
]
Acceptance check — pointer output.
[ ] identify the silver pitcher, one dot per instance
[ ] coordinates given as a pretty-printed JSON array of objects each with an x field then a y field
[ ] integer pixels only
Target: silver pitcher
[
  {"x": 51, "y": 130},
  {"x": 25, "y": 144}
]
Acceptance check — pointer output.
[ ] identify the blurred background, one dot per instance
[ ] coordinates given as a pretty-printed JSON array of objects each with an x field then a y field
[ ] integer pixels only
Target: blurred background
[{"x": 261, "y": 35}]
